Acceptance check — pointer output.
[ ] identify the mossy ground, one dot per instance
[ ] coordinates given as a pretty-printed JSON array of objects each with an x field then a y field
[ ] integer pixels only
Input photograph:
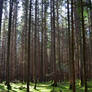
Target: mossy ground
[{"x": 45, "y": 87}]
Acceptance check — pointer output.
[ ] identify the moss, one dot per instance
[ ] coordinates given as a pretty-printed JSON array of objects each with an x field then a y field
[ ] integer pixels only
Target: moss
[{"x": 45, "y": 87}]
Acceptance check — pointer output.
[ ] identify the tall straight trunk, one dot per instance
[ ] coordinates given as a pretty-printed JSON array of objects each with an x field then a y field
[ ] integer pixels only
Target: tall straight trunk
[
  {"x": 38, "y": 47},
  {"x": 13, "y": 41},
  {"x": 26, "y": 39},
  {"x": 35, "y": 41},
  {"x": 91, "y": 25},
  {"x": 58, "y": 44},
  {"x": 22, "y": 54},
  {"x": 24, "y": 42},
  {"x": 91, "y": 31},
  {"x": 28, "y": 62},
  {"x": 72, "y": 27},
  {"x": 15, "y": 38},
  {"x": 54, "y": 46},
  {"x": 1, "y": 8},
  {"x": 51, "y": 52},
  {"x": 68, "y": 15},
  {"x": 53, "y": 68},
  {"x": 42, "y": 45},
  {"x": 15, "y": 28},
  {"x": 8, "y": 47},
  {"x": 2, "y": 72},
  {"x": 3, "y": 51},
  {"x": 45, "y": 58},
  {"x": 77, "y": 37},
  {"x": 32, "y": 50},
  {"x": 81, "y": 61},
  {"x": 5, "y": 46},
  {"x": 11, "y": 49},
  {"x": 84, "y": 46}
]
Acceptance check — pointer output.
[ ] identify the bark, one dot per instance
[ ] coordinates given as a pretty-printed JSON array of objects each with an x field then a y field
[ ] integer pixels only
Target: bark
[
  {"x": 35, "y": 41},
  {"x": 58, "y": 39},
  {"x": 8, "y": 47},
  {"x": 28, "y": 63},
  {"x": 42, "y": 44},
  {"x": 72, "y": 58},
  {"x": 53, "y": 40},
  {"x": 84, "y": 46},
  {"x": 45, "y": 57}
]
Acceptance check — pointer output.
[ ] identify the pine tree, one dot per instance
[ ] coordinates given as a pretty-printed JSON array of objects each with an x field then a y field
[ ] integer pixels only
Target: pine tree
[
  {"x": 84, "y": 46},
  {"x": 72, "y": 56},
  {"x": 8, "y": 46},
  {"x": 42, "y": 44},
  {"x": 68, "y": 15},
  {"x": 54, "y": 44},
  {"x": 35, "y": 41},
  {"x": 28, "y": 63}
]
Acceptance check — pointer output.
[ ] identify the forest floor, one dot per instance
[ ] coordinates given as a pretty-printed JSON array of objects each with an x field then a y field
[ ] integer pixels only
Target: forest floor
[{"x": 45, "y": 87}]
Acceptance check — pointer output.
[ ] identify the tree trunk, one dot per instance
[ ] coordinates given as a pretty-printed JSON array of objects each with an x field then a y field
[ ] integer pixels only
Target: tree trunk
[
  {"x": 35, "y": 43},
  {"x": 84, "y": 46},
  {"x": 8, "y": 47},
  {"x": 72, "y": 58},
  {"x": 28, "y": 63}
]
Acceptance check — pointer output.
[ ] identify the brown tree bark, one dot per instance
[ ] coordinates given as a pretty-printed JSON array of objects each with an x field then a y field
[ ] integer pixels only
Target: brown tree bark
[
  {"x": 84, "y": 46},
  {"x": 8, "y": 47},
  {"x": 28, "y": 62},
  {"x": 72, "y": 56},
  {"x": 35, "y": 45}
]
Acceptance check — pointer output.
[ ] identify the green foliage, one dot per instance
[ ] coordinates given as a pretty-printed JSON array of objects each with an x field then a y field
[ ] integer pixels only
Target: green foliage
[
  {"x": 45, "y": 87},
  {"x": 65, "y": 86}
]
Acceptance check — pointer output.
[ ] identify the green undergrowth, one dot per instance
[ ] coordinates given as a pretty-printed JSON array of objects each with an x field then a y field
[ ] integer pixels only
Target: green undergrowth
[
  {"x": 45, "y": 87},
  {"x": 65, "y": 86}
]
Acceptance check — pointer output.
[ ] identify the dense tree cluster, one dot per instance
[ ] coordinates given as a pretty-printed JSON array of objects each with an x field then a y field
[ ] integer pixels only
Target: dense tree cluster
[{"x": 42, "y": 40}]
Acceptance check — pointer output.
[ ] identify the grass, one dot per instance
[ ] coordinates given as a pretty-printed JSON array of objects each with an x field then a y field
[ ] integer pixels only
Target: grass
[
  {"x": 45, "y": 87},
  {"x": 65, "y": 86}
]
